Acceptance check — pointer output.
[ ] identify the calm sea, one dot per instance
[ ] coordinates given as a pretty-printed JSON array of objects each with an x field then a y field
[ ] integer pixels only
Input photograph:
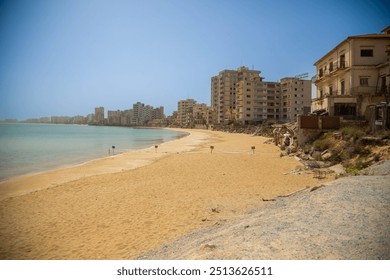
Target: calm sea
[{"x": 30, "y": 148}]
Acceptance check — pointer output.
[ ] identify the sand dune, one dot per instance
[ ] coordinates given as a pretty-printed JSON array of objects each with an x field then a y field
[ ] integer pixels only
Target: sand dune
[{"x": 98, "y": 211}]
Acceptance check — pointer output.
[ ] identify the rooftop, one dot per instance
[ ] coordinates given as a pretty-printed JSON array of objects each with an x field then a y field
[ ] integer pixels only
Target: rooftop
[{"x": 384, "y": 35}]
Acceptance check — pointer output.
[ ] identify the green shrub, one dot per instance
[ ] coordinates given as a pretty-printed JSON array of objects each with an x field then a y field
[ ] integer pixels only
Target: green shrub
[
  {"x": 323, "y": 143},
  {"x": 338, "y": 155},
  {"x": 352, "y": 171},
  {"x": 353, "y": 132}
]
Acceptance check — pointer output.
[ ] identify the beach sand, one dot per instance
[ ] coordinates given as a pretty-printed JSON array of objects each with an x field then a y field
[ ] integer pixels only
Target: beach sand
[
  {"x": 345, "y": 219},
  {"x": 122, "y": 206}
]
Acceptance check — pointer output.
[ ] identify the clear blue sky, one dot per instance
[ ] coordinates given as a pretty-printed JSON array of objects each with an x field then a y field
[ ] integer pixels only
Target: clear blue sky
[{"x": 68, "y": 57}]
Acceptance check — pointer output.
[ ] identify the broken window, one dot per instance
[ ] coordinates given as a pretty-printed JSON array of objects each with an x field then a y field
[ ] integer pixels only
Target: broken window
[
  {"x": 366, "y": 52},
  {"x": 345, "y": 109},
  {"x": 364, "y": 81}
]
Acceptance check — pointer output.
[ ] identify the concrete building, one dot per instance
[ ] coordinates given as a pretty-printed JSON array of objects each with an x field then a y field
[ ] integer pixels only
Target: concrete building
[
  {"x": 158, "y": 113},
  {"x": 114, "y": 117},
  {"x": 185, "y": 112},
  {"x": 99, "y": 115},
  {"x": 126, "y": 117},
  {"x": 243, "y": 96},
  {"x": 353, "y": 76},
  {"x": 295, "y": 98},
  {"x": 200, "y": 113},
  {"x": 61, "y": 120},
  {"x": 257, "y": 100},
  {"x": 173, "y": 119},
  {"x": 223, "y": 92},
  {"x": 192, "y": 114},
  {"x": 142, "y": 114},
  {"x": 138, "y": 117}
]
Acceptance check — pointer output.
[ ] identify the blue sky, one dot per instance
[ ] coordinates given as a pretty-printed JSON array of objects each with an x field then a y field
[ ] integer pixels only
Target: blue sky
[{"x": 68, "y": 57}]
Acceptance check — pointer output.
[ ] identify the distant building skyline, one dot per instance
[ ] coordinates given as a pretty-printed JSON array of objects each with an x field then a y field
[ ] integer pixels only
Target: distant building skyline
[{"x": 66, "y": 57}]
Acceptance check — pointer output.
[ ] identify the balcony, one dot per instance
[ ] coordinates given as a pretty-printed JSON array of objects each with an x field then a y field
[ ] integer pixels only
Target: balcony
[
  {"x": 332, "y": 70},
  {"x": 363, "y": 90},
  {"x": 342, "y": 65}
]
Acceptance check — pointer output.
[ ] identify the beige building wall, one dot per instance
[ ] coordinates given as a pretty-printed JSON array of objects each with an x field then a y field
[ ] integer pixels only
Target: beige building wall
[
  {"x": 257, "y": 100},
  {"x": 242, "y": 95},
  {"x": 200, "y": 112},
  {"x": 185, "y": 112},
  {"x": 99, "y": 115},
  {"x": 353, "y": 76},
  {"x": 114, "y": 117},
  {"x": 295, "y": 98},
  {"x": 223, "y": 92},
  {"x": 158, "y": 113}
]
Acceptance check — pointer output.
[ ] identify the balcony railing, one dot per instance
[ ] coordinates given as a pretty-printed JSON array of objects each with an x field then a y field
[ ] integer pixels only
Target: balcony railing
[
  {"x": 337, "y": 65},
  {"x": 363, "y": 90},
  {"x": 355, "y": 91}
]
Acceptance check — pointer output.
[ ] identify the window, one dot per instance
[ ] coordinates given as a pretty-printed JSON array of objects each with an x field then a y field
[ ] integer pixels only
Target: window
[
  {"x": 331, "y": 66},
  {"x": 342, "y": 61},
  {"x": 366, "y": 52},
  {"x": 363, "y": 81},
  {"x": 383, "y": 84}
]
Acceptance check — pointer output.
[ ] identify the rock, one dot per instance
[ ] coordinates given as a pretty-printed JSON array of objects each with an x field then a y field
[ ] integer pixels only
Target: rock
[
  {"x": 305, "y": 157},
  {"x": 313, "y": 164},
  {"x": 316, "y": 155},
  {"x": 208, "y": 247},
  {"x": 316, "y": 188},
  {"x": 297, "y": 158},
  {"x": 326, "y": 156},
  {"x": 338, "y": 169}
]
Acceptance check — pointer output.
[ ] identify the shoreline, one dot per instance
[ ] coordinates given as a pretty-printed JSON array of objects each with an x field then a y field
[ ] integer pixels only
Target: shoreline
[
  {"x": 85, "y": 159},
  {"x": 10, "y": 187},
  {"x": 121, "y": 215}
]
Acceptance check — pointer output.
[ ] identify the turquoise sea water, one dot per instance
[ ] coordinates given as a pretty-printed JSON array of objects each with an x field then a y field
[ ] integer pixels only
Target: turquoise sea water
[{"x": 30, "y": 148}]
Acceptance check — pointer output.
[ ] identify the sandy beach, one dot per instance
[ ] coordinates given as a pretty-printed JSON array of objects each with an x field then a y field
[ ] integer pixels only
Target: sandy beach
[
  {"x": 344, "y": 219},
  {"x": 123, "y": 206}
]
